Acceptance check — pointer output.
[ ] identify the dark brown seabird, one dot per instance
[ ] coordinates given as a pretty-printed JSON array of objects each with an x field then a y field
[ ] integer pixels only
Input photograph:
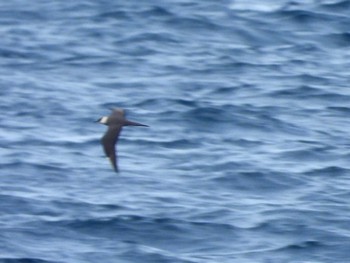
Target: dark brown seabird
[{"x": 115, "y": 122}]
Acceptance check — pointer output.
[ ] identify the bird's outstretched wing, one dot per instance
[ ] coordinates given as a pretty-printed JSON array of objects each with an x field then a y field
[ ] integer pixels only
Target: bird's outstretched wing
[{"x": 109, "y": 141}]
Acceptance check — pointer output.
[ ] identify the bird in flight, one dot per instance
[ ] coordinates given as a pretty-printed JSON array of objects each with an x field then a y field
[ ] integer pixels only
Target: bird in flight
[{"x": 115, "y": 122}]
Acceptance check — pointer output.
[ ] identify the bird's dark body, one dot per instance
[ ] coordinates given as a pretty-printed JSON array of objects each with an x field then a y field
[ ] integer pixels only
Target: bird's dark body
[{"x": 115, "y": 122}]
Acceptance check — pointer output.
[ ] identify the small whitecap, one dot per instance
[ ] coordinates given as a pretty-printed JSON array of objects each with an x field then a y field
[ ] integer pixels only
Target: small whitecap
[{"x": 256, "y": 5}]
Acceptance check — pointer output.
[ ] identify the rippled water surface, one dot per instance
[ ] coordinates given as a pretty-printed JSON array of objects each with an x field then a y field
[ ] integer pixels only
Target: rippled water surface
[{"x": 247, "y": 155}]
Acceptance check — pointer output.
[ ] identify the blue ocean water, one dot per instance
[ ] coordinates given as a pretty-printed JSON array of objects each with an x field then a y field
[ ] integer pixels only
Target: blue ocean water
[{"x": 247, "y": 155}]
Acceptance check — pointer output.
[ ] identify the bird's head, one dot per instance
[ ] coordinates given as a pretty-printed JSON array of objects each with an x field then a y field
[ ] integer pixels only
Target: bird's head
[{"x": 103, "y": 120}]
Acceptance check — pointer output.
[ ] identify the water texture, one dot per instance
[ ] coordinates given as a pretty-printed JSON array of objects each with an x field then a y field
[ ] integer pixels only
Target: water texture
[{"x": 247, "y": 155}]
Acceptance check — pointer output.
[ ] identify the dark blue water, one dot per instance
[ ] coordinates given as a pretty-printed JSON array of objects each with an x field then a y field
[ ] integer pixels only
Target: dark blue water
[{"x": 247, "y": 158}]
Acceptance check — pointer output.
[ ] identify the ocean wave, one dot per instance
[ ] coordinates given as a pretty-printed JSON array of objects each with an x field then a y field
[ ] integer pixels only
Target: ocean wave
[
  {"x": 26, "y": 260},
  {"x": 246, "y": 156},
  {"x": 338, "y": 7}
]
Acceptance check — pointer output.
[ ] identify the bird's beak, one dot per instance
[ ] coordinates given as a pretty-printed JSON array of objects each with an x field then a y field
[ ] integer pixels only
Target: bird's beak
[{"x": 133, "y": 123}]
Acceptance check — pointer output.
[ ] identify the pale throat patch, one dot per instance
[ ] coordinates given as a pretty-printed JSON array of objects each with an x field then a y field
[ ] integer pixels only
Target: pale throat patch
[{"x": 104, "y": 120}]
